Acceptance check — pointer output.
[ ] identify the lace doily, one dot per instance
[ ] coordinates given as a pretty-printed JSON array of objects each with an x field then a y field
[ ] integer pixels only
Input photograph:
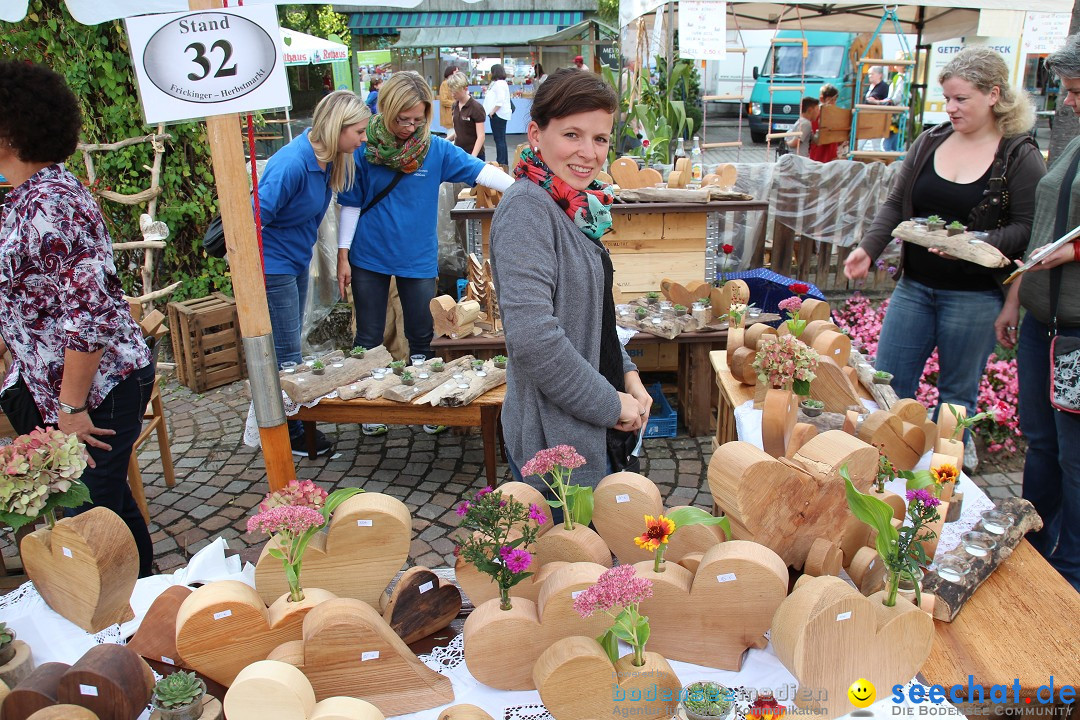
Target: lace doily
[
  {"x": 443, "y": 659},
  {"x": 251, "y": 426},
  {"x": 25, "y": 600}
]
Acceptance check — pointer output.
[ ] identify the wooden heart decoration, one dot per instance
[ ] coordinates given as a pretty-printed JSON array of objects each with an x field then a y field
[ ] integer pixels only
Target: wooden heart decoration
[
  {"x": 734, "y": 292},
  {"x": 677, "y": 293},
  {"x": 110, "y": 680},
  {"x": 576, "y": 681},
  {"x": 886, "y": 431},
  {"x": 554, "y": 543},
  {"x": 156, "y": 637},
  {"x": 365, "y": 546},
  {"x": 628, "y": 177},
  {"x": 36, "y": 692},
  {"x": 778, "y": 417},
  {"x": 271, "y": 689},
  {"x": 348, "y": 649},
  {"x": 912, "y": 411},
  {"x": 224, "y": 626},
  {"x": 529, "y": 628},
  {"x": 788, "y": 504},
  {"x": 620, "y": 503},
  {"x": 420, "y": 604},
  {"x": 828, "y": 635},
  {"x": 64, "y": 712},
  {"x": 713, "y": 615},
  {"x": 479, "y": 588},
  {"x": 814, "y": 328},
  {"x": 813, "y": 309},
  {"x": 833, "y": 387},
  {"x": 464, "y": 712},
  {"x": 85, "y": 568}
]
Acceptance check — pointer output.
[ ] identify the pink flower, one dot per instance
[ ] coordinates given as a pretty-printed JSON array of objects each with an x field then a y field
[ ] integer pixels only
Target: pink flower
[
  {"x": 791, "y": 305},
  {"x": 482, "y": 492},
  {"x": 618, "y": 587},
  {"x": 564, "y": 456},
  {"x": 535, "y": 513},
  {"x": 924, "y": 497},
  {"x": 297, "y": 492},
  {"x": 290, "y": 519},
  {"x": 517, "y": 560},
  {"x": 463, "y": 508}
]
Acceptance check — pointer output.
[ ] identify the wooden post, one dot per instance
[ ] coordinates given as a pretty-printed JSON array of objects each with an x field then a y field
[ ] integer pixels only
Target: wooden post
[{"x": 234, "y": 201}]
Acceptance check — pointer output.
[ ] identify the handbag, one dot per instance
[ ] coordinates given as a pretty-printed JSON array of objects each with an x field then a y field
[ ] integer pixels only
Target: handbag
[{"x": 1064, "y": 351}]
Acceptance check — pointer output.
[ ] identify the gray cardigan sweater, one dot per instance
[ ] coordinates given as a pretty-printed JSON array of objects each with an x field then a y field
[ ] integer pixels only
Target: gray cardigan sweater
[{"x": 549, "y": 280}]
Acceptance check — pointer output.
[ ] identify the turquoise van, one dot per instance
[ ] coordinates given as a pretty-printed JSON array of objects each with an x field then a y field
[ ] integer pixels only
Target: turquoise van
[{"x": 832, "y": 57}]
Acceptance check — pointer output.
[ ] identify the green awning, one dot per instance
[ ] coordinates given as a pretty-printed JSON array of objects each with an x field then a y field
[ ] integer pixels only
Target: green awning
[
  {"x": 393, "y": 22},
  {"x": 506, "y": 36}
]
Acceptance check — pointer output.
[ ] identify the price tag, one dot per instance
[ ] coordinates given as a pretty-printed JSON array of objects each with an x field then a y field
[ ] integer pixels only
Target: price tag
[
  {"x": 843, "y": 616},
  {"x": 426, "y": 586},
  {"x": 369, "y": 655},
  {"x": 223, "y": 614},
  {"x": 622, "y": 498},
  {"x": 88, "y": 690},
  {"x": 66, "y": 551},
  {"x": 363, "y": 523},
  {"x": 573, "y": 595},
  {"x": 167, "y": 660},
  {"x": 726, "y": 577}
]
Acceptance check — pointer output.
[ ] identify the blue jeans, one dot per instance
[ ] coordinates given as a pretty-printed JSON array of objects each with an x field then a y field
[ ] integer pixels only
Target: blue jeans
[
  {"x": 959, "y": 323},
  {"x": 498, "y": 132},
  {"x": 1052, "y": 466},
  {"x": 285, "y": 298},
  {"x": 371, "y": 290}
]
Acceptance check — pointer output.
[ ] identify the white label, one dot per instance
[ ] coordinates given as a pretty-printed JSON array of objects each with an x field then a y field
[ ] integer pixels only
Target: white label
[
  {"x": 622, "y": 498},
  {"x": 836, "y": 351},
  {"x": 427, "y": 586},
  {"x": 573, "y": 595},
  {"x": 369, "y": 655},
  {"x": 843, "y": 616},
  {"x": 167, "y": 660},
  {"x": 66, "y": 551},
  {"x": 726, "y": 577},
  {"x": 871, "y": 565},
  {"x": 88, "y": 690},
  {"x": 223, "y": 614},
  {"x": 363, "y": 523}
]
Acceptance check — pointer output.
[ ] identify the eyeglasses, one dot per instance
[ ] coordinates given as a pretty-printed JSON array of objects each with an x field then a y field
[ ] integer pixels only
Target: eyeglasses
[{"x": 409, "y": 123}]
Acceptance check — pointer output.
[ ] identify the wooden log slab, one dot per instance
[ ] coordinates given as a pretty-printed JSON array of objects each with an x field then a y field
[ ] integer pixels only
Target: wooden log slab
[
  {"x": 367, "y": 388},
  {"x": 398, "y": 392},
  {"x": 303, "y": 387},
  {"x": 951, "y": 596},
  {"x": 646, "y": 194},
  {"x": 964, "y": 246},
  {"x": 448, "y": 394},
  {"x": 18, "y": 667},
  {"x": 883, "y": 395}
]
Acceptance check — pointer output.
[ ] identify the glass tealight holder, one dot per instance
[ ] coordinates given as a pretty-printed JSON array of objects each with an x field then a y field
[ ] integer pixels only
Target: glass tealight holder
[
  {"x": 309, "y": 359},
  {"x": 338, "y": 363},
  {"x": 288, "y": 367},
  {"x": 417, "y": 359},
  {"x": 952, "y": 568},
  {"x": 977, "y": 544},
  {"x": 996, "y": 522},
  {"x": 459, "y": 376},
  {"x": 481, "y": 373},
  {"x": 666, "y": 305},
  {"x": 423, "y": 375},
  {"x": 754, "y": 312},
  {"x": 463, "y": 385},
  {"x": 656, "y": 321}
]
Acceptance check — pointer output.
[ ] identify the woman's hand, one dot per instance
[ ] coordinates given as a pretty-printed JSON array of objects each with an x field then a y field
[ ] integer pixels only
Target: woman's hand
[
  {"x": 1065, "y": 253},
  {"x": 83, "y": 427},
  {"x": 630, "y": 414},
  {"x": 942, "y": 254},
  {"x": 1005, "y": 327},
  {"x": 857, "y": 265},
  {"x": 634, "y": 386},
  {"x": 344, "y": 272}
]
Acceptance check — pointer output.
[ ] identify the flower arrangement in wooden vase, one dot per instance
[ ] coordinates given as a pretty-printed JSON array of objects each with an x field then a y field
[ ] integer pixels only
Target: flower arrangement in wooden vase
[
  {"x": 39, "y": 472},
  {"x": 784, "y": 361}
]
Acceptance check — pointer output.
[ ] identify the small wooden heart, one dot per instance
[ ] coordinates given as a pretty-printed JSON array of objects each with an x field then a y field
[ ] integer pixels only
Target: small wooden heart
[
  {"x": 272, "y": 689},
  {"x": 36, "y": 692},
  {"x": 420, "y": 604},
  {"x": 464, "y": 712},
  {"x": 85, "y": 568},
  {"x": 626, "y": 173},
  {"x": 886, "y": 431},
  {"x": 156, "y": 637},
  {"x": 110, "y": 680}
]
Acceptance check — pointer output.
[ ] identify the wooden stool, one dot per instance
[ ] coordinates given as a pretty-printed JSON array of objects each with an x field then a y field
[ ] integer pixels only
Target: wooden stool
[{"x": 155, "y": 413}]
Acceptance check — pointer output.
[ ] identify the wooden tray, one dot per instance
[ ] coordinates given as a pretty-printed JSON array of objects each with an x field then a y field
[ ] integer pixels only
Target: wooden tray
[{"x": 964, "y": 246}]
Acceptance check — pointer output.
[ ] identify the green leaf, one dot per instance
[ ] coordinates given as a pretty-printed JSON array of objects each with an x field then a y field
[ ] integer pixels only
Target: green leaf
[
  {"x": 336, "y": 498},
  {"x": 875, "y": 513},
  {"x": 643, "y": 631},
  {"x": 916, "y": 479},
  {"x": 696, "y": 516},
  {"x": 580, "y": 500},
  {"x": 275, "y": 553},
  {"x": 15, "y": 520},
  {"x": 610, "y": 643}
]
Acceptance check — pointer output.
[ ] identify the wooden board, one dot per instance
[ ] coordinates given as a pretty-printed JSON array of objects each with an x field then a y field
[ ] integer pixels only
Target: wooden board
[
  {"x": 964, "y": 246},
  {"x": 85, "y": 568},
  {"x": 365, "y": 546},
  {"x": 420, "y": 604},
  {"x": 156, "y": 637},
  {"x": 827, "y": 633},
  {"x": 305, "y": 386},
  {"x": 110, "y": 680},
  {"x": 347, "y": 649},
  {"x": 643, "y": 272}
]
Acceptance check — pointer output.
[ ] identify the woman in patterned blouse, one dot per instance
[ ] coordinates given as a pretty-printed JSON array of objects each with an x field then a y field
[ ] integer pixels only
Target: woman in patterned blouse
[{"x": 79, "y": 359}]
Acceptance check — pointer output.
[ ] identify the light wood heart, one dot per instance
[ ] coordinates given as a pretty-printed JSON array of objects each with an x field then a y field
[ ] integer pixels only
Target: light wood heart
[
  {"x": 529, "y": 628},
  {"x": 224, "y": 626},
  {"x": 778, "y": 417},
  {"x": 813, "y": 309},
  {"x": 912, "y": 411},
  {"x": 788, "y": 504},
  {"x": 833, "y": 387},
  {"x": 577, "y": 681},
  {"x": 271, "y": 689},
  {"x": 828, "y": 635},
  {"x": 677, "y": 292},
  {"x": 85, "y": 568},
  {"x": 733, "y": 292},
  {"x": 885, "y": 430},
  {"x": 464, "y": 712},
  {"x": 365, "y": 546},
  {"x": 627, "y": 175},
  {"x": 620, "y": 503},
  {"x": 349, "y": 650},
  {"x": 712, "y": 616},
  {"x": 421, "y": 603}
]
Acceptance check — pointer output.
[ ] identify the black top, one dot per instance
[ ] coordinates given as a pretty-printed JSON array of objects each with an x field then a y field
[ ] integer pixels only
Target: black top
[
  {"x": 879, "y": 91},
  {"x": 934, "y": 195}
]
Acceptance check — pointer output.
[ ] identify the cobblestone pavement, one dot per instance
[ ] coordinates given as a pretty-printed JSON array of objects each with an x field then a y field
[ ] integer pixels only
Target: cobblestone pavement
[{"x": 220, "y": 480}]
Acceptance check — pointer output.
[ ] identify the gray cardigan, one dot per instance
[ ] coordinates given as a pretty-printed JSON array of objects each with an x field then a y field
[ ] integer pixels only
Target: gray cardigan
[{"x": 549, "y": 279}]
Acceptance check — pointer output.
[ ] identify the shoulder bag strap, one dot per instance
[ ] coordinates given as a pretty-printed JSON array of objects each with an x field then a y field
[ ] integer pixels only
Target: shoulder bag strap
[
  {"x": 1061, "y": 224},
  {"x": 384, "y": 192}
]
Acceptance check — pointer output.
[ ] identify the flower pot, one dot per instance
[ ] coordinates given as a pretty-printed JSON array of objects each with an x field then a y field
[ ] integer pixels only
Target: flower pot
[
  {"x": 956, "y": 504},
  {"x": 501, "y": 364},
  {"x": 680, "y": 313},
  {"x": 878, "y": 380},
  {"x": 358, "y": 355},
  {"x": 956, "y": 231},
  {"x": 935, "y": 226},
  {"x": 318, "y": 371},
  {"x": 191, "y": 711},
  {"x": 438, "y": 368},
  {"x": 7, "y": 652},
  {"x": 710, "y": 690},
  {"x": 408, "y": 381},
  {"x": 398, "y": 370},
  {"x": 811, "y": 411},
  {"x": 652, "y": 301}
]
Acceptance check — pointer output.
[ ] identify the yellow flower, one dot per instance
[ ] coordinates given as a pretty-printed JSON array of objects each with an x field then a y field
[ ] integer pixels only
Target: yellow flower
[
  {"x": 657, "y": 531},
  {"x": 945, "y": 474}
]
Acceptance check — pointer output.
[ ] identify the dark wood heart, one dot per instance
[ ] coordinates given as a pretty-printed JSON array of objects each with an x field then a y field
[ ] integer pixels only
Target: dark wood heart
[{"x": 420, "y": 604}]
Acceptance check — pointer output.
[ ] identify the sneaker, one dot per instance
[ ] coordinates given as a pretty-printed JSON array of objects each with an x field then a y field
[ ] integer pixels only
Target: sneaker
[
  {"x": 322, "y": 444},
  {"x": 374, "y": 429},
  {"x": 435, "y": 429}
]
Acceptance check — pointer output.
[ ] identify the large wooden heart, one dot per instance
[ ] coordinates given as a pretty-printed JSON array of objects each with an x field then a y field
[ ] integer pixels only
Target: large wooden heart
[
  {"x": 712, "y": 616},
  {"x": 349, "y": 650},
  {"x": 828, "y": 635},
  {"x": 785, "y": 504},
  {"x": 85, "y": 568},
  {"x": 271, "y": 689},
  {"x": 529, "y": 628},
  {"x": 224, "y": 626},
  {"x": 365, "y": 546},
  {"x": 577, "y": 681},
  {"x": 420, "y": 604},
  {"x": 626, "y": 173},
  {"x": 620, "y": 503}
]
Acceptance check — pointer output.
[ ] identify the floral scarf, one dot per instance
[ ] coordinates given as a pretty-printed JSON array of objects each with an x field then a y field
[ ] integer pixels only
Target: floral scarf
[
  {"x": 383, "y": 147},
  {"x": 590, "y": 209}
]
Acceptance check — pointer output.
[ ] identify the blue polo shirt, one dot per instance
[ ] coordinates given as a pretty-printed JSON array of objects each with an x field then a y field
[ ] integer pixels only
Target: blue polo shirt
[
  {"x": 398, "y": 236},
  {"x": 294, "y": 193}
]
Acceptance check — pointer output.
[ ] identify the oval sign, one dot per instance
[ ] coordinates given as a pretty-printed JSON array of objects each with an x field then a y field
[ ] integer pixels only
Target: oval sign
[
  {"x": 787, "y": 108},
  {"x": 209, "y": 57}
]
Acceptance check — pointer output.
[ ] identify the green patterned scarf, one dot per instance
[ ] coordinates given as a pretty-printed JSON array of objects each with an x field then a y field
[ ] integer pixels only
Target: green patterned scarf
[{"x": 383, "y": 147}]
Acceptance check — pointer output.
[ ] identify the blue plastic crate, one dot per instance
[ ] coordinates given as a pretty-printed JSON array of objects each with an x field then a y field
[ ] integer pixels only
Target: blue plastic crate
[{"x": 663, "y": 419}]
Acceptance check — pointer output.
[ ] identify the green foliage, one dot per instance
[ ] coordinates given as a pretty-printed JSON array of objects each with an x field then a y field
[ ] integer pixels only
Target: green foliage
[
  {"x": 607, "y": 11},
  {"x": 318, "y": 20},
  {"x": 177, "y": 690},
  {"x": 6, "y": 634},
  {"x": 685, "y": 87}
]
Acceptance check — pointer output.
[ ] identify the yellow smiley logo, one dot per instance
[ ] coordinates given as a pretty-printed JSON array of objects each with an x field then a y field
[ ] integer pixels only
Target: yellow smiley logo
[{"x": 862, "y": 693}]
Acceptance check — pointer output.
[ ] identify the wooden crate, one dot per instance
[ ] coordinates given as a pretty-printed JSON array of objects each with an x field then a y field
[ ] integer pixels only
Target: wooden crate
[{"x": 207, "y": 344}]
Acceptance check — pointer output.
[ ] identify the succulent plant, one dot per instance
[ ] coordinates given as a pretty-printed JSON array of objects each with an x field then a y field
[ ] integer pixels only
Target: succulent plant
[
  {"x": 397, "y": 364},
  {"x": 652, "y": 297},
  {"x": 934, "y": 219},
  {"x": 406, "y": 375},
  {"x": 707, "y": 699},
  {"x": 811, "y": 403},
  {"x": 499, "y": 358},
  {"x": 680, "y": 308},
  {"x": 956, "y": 225},
  {"x": 704, "y": 301},
  {"x": 641, "y": 312},
  {"x": 6, "y": 634},
  {"x": 358, "y": 351},
  {"x": 177, "y": 690},
  {"x": 318, "y": 365}
]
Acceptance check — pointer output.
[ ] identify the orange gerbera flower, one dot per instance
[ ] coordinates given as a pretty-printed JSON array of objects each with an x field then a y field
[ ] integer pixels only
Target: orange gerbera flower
[
  {"x": 657, "y": 532},
  {"x": 945, "y": 474}
]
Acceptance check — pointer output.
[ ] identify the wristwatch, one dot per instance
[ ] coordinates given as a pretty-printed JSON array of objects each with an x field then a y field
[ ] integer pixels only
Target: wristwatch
[{"x": 71, "y": 409}]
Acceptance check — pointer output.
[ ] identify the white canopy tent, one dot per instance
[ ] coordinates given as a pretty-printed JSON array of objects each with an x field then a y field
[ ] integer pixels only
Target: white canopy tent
[{"x": 303, "y": 49}]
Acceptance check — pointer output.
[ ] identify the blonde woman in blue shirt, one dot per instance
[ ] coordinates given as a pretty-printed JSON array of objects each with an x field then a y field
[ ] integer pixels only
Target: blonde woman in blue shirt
[{"x": 294, "y": 193}]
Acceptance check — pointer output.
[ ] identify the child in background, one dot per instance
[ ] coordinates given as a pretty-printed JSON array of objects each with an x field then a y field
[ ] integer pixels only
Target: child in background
[
  {"x": 809, "y": 110},
  {"x": 829, "y": 151},
  {"x": 372, "y": 100}
]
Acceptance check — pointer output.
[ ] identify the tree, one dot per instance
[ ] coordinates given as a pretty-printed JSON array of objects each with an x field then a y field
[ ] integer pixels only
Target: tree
[
  {"x": 318, "y": 20},
  {"x": 1066, "y": 124}
]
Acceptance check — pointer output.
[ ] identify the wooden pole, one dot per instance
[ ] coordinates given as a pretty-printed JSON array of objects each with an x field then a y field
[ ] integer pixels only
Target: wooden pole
[{"x": 249, "y": 288}]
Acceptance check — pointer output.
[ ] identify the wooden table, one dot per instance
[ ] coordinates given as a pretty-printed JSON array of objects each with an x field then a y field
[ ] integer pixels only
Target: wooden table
[
  {"x": 482, "y": 413},
  {"x": 1022, "y": 624},
  {"x": 695, "y": 385}
]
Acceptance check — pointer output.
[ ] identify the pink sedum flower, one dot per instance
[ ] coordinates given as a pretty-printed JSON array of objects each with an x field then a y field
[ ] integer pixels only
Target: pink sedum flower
[
  {"x": 618, "y": 587},
  {"x": 791, "y": 305},
  {"x": 565, "y": 456},
  {"x": 290, "y": 519}
]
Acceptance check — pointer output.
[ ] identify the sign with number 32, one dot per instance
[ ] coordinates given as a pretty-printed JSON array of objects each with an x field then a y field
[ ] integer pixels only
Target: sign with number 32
[{"x": 215, "y": 62}]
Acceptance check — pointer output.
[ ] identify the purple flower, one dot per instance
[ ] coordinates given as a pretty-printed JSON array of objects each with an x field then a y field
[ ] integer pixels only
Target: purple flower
[
  {"x": 880, "y": 264},
  {"x": 535, "y": 513},
  {"x": 463, "y": 508},
  {"x": 482, "y": 492},
  {"x": 516, "y": 559},
  {"x": 924, "y": 497}
]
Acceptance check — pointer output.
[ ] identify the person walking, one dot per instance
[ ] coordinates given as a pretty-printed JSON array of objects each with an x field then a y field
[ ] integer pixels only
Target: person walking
[{"x": 498, "y": 106}]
